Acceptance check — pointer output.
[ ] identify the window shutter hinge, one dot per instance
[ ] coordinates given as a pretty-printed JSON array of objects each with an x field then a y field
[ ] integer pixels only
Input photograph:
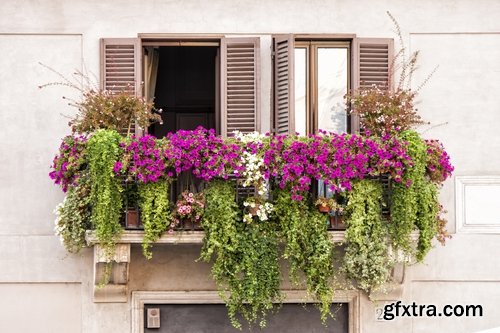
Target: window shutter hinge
[{"x": 272, "y": 54}]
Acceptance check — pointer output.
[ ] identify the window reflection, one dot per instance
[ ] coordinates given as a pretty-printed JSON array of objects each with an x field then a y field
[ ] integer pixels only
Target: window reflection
[
  {"x": 331, "y": 88},
  {"x": 300, "y": 91}
]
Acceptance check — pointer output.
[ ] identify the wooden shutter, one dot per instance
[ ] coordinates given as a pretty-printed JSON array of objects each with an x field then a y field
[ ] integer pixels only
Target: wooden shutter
[
  {"x": 121, "y": 67},
  {"x": 120, "y": 64},
  {"x": 240, "y": 90},
  {"x": 372, "y": 60},
  {"x": 284, "y": 85}
]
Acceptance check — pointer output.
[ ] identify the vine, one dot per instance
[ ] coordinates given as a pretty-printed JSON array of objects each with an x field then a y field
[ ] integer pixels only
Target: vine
[
  {"x": 307, "y": 247},
  {"x": 73, "y": 216},
  {"x": 405, "y": 195},
  {"x": 155, "y": 212},
  {"x": 245, "y": 256},
  {"x": 105, "y": 191},
  {"x": 427, "y": 218},
  {"x": 366, "y": 258},
  {"x": 415, "y": 204}
]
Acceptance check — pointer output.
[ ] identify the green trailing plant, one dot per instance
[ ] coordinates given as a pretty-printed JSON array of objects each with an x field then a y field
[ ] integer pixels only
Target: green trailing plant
[
  {"x": 307, "y": 247},
  {"x": 73, "y": 216},
  {"x": 245, "y": 257},
  {"x": 427, "y": 217},
  {"x": 415, "y": 202},
  {"x": 405, "y": 195},
  {"x": 105, "y": 190},
  {"x": 155, "y": 212},
  {"x": 366, "y": 259}
]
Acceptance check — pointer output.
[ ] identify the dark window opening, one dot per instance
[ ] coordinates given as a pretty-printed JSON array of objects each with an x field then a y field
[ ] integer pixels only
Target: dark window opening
[
  {"x": 212, "y": 318},
  {"x": 186, "y": 88}
]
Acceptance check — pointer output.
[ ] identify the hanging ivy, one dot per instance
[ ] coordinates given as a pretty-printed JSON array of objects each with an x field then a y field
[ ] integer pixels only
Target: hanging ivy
[
  {"x": 307, "y": 247},
  {"x": 427, "y": 217},
  {"x": 405, "y": 195},
  {"x": 366, "y": 258},
  {"x": 245, "y": 257},
  {"x": 105, "y": 191},
  {"x": 415, "y": 202},
  {"x": 155, "y": 212},
  {"x": 73, "y": 215}
]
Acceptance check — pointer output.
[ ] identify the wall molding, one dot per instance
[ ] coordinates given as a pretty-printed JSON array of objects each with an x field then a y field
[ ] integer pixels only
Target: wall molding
[{"x": 464, "y": 204}]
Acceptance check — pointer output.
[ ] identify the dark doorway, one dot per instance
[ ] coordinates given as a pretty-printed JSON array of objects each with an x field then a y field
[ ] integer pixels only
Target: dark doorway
[
  {"x": 186, "y": 88},
  {"x": 212, "y": 318}
]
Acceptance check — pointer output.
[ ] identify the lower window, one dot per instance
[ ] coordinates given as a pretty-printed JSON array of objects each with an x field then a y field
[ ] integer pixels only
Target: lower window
[{"x": 212, "y": 318}]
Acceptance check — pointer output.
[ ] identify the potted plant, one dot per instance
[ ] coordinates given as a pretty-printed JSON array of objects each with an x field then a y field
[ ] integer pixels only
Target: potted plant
[
  {"x": 131, "y": 210},
  {"x": 256, "y": 207},
  {"x": 327, "y": 205},
  {"x": 189, "y": 210}
]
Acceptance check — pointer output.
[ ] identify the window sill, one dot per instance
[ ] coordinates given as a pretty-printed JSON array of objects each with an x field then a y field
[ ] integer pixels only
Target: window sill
[{"x": 181, "y": 237}]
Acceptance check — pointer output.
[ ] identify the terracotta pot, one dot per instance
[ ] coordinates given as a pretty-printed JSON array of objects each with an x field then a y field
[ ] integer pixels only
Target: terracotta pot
[
  {"x": 131, "y": 219},
  {"x": 324, "y": 209}
]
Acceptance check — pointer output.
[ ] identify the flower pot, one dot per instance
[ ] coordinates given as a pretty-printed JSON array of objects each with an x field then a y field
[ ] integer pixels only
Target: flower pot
[
  {"x": 324, "y": 209},
  {"x": 132, "y": 219}
]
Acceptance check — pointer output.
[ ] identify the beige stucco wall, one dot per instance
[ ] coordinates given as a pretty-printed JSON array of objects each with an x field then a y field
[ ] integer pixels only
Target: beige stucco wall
[{"x": 462, "y": 37}]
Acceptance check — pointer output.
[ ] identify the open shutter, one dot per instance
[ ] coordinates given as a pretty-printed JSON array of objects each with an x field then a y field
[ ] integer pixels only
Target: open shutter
[
  {"x": 284, "y": 86},
  {"x": 120, "y": 66},
  {"x": 240, "y": 90},
  {"x": 372, "y": 64}
]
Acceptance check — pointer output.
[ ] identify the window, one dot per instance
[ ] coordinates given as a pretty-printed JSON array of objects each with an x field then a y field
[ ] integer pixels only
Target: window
[
  {"x": 321, "y": 82},
  {"x": 227, "y": 99},
  {"x": 312, "y": 75}
]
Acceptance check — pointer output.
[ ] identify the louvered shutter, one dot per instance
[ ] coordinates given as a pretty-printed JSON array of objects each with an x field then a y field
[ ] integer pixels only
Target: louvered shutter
[
  {"x": 240, "y": 85},
  {"x": 372, "y": 64},
  {"x": 284, "y": 86},
  {"x": 120, "y": 66}
]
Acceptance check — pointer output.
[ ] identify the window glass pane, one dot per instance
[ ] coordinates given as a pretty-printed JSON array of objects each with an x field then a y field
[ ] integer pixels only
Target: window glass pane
[
  {"x": 332, "y": 86},
  {"x": 300, "y": 90}
]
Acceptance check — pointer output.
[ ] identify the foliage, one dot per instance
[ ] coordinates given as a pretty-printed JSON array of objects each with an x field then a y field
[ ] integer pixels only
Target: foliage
[
  {"x": 405, "y": 195},
  {"x": 245, "y": 257},
  {"x": 331, "y": 203},
  {"x": 105, "y": 189},
  {"x": 415, "y": 205},
  {"x": 256, "y": 207},
  {"x": 337, "y": 159},
  {"x": 70, "y": 161},
  {"x": 155, "y": 212},
  {"x": 427, "y": 217},
  {"x": 73, "y": 216},
  {"x": 205, "y": 154},
  {"x": 105, "y": 109},
  {"x": 307, "y": 247},
  {"x": 438, "y": 167},
  {"x": 143, "y": 159},
  {"x": 190, "y": 206},
  {"x": 384, "y": 111},
  {"x": 366, "y": 258}
]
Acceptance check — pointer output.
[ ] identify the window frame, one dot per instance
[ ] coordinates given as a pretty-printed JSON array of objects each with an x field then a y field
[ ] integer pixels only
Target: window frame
[
  {"x": 311, "y": 46},
  {"x": 241, "y": 108}
]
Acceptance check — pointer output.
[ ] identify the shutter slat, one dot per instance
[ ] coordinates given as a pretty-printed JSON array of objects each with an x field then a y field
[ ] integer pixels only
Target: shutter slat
[
  {"x": 240, "y": 88},
  {"x": 120, "y": 66},
  {"x": 373, "y": 60},
  {"x": 284, "y": 99}
]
